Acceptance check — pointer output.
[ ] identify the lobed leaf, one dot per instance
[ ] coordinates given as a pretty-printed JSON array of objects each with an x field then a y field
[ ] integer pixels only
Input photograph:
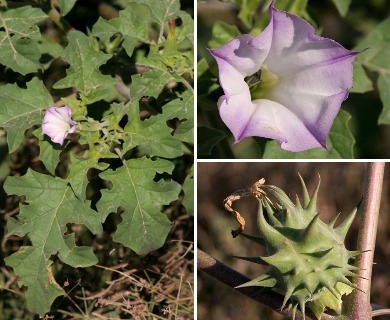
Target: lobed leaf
[
  {"x": 161, "y": 10},
  {"x": 21, "y": 109},
  {"x": 84, "y": 73},
  {"x": 50, "y": 205},
  {"x": 19, "y": 37},
  {"x": 77, "y": 176},
  {"x": 152, "y": 134},
  {"x": 132, "y": 23},
  {"x": 144, "y": 227},
  {"x": 150, "y": 84}
]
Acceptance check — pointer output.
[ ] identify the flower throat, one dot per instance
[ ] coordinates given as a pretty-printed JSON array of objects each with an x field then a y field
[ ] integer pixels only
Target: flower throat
[{"x": 261, "y": 82}]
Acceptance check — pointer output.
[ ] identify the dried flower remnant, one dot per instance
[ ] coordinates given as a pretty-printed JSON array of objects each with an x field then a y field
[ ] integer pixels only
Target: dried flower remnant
[
  {"x": 285, "y": 84},
  {"x": 58, "y": 123},
  {"x": 254, "y": 190}
]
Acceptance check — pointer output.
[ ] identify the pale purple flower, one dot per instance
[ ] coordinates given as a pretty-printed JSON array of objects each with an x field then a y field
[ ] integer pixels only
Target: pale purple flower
[
  {"x": 304, "y": 80},
  {"x": 57, "y": 123}
]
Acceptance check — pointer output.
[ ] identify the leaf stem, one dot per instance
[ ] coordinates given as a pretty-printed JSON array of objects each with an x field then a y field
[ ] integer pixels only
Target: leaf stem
[{"x": 359, "y": 301}]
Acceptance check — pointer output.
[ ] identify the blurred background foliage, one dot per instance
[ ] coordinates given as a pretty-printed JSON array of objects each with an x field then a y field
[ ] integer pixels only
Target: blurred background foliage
[
  {"x": 341, "y": 191},
  {"x": 345, "y": 21}
]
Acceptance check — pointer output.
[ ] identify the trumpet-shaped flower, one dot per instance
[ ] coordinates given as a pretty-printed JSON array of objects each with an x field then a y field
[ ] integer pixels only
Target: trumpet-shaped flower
[
  {"x": 57, "y": 123},
  {"x": 285, "y": 84}
]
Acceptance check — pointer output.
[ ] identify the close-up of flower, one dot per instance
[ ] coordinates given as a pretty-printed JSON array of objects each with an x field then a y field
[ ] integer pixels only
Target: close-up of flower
[
  {"x": 286, "y": 84},
  {"x": 57, "y": 123}
]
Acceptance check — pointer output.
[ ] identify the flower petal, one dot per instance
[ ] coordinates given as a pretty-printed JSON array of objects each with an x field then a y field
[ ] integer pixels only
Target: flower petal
[
  {"x": 273, "y": 120},
  {"x": 235, "y": 106},
  {"x": 57, "y": 123},
  {"x": 244, "y": 58},
  {"x": 307, "y": 78},
  {"x": 296, "y": 47},
  {"x": 314, "y": 73}
]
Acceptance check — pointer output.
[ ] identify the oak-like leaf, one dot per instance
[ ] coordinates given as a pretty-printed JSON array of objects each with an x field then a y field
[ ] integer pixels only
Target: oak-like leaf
[
  {"x": 49, "y": 206},
  {"x": 144, "y": 226},
  {"x": 21, "y": 109},
  {"x": 19, "y": 37},
  {"x": 84, "y": 73}
]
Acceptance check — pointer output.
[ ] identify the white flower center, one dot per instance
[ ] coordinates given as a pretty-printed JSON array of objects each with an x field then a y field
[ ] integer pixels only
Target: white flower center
[{"x": 263, "y": 88}]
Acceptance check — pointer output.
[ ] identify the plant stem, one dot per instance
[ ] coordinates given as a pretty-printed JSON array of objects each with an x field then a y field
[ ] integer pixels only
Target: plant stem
[
  {"x": 359, "y": 303},
  {"x": 232, "y": 279}
]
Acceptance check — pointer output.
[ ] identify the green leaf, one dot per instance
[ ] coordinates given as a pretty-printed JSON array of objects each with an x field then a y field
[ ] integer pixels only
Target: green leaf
[
  {"x": 49, "y": 154},
  {"x": 222, "y": 33},
  {"x": 207, "y": 82},
  {"x": 84, "y": 74},
  {"x": 340, "y": 143},
  {"x": 132, "y": 23},
  {"x": 247, "y": 11},
  {"x": 4, "y": 157},
  {"x": 183, "y": 109},
  {"x": 79, "y": 168},
  {"x": 188, "y": 188},
  {"x": 207, "y": 139},
  {"x": 185, "y": 32},
  {"x": 170, "y": 67},
  {"x": 50, "y": 206},
  {"x": 19, "y": 37},
  {"x": 21, "y": 109},
  {"x": 375, "y": 58},
  {"x": 36, "y": 274},
  {"x": 150, "y": 83},
  {"x": 66, "y": 6},
  {"x": 342, "y": 6},
  {"x": 161, "y": 10},
  {"x": 144, "y": 227},
  {"x": 297, "y": 7},
  {"x": 153, "y": 134},
  {"x": 361, "y": 82},
  {"x": 384, "y": 93}
]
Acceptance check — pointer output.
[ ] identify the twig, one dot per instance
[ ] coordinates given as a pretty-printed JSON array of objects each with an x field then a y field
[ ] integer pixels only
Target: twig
[
  {"x": 359, "y": 301},
  {"x": 232, "y": 279},
  {"x": 380, "y": 312}
]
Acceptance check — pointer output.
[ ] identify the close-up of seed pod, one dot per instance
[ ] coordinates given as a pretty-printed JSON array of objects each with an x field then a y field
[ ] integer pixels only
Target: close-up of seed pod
[
  {"x": 307, "y": 258},
  {"x": 303, "y": 241}
]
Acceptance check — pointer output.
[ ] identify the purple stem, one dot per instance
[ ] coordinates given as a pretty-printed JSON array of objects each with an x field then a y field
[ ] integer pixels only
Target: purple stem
[{"x": 359, "y": 303}]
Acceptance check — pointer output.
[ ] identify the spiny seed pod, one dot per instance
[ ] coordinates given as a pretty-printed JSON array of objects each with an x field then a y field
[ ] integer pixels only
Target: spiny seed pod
[{"x": 308, "y": 261}]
